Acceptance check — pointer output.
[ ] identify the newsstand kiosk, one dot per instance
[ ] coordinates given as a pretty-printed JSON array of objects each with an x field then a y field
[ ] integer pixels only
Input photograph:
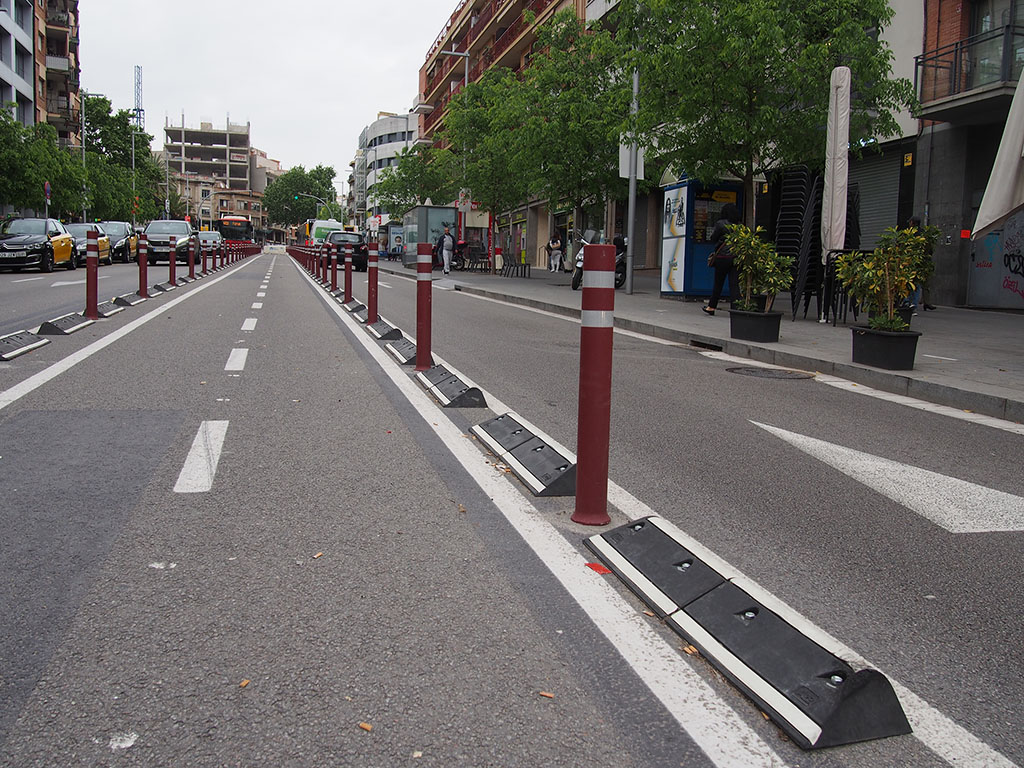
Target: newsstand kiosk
[{"x": 688, "y": 218}]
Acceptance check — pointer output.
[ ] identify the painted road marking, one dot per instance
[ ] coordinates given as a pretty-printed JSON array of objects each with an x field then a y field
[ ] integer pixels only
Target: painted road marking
[
  {"x": 708, "y": 719},
  {"x": 201, "y": 463},
  {"x": 236, "y": 360},
  {"x": 939, "y": 357},
  {"x": 257, "y": 305},
  {"x": 32, "y": 383},
  {"x": 27, "y": 279},
  {"x": 711, "y": 729},
  {"x": 956, "y": 505},
  {"x": 260, "y": 295},
  {"x": 249, "y": 324}
]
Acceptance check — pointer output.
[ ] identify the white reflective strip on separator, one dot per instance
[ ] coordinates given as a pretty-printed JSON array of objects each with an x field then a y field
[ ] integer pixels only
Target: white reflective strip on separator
[
  {"x": 524, "y": 474},
  {"x": 426, "y": 276},
  {"x": 424, "y": 258},
  {"x": 487, "y": 440},
  {"x": 597, "y": 318},
  {"x": 599, "y": 279},
  {"x": 665, "y": 604},
  {"x": 748, "y": 677}
]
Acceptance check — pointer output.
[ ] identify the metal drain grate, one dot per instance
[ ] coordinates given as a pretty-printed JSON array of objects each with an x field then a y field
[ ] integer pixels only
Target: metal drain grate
[{"x": 771, "y": 373}]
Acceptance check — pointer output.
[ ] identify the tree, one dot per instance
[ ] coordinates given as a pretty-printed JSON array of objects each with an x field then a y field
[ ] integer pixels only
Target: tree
[
  {"x": 30, "y": 157},
  {"x": 292, "y": 197},
  {"x": 742, "y": 86},
  {"x": 422, "y": 173},
  {"x": 575, "y": 103},
  {"x": 483, "y": 122}
]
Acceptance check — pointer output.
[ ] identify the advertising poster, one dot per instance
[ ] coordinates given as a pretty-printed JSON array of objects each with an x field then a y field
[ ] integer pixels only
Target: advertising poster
[{"x": 673, "y": 239}]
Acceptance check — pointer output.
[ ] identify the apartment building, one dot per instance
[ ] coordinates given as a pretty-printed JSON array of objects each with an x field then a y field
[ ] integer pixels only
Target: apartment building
[
  {"x": 966, "y": 77},
  {"x": 494, "y": 33},
  {"x": 380, "y": 143},
  {"x": 17, "y": 68}
]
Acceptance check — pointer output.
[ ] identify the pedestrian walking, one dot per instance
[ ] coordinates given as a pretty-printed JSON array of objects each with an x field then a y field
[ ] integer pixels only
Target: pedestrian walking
[
  {"x": 555, "y": 253},
  {"x": 445, "y": 246},
  {"x": 722, "y": 260}
]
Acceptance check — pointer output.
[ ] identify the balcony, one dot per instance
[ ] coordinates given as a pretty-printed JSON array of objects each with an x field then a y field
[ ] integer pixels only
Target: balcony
[
  {"x": 972, "y": 80},
  {"x": 58, "y": 63},
  {"x": 55, "y": 18}
]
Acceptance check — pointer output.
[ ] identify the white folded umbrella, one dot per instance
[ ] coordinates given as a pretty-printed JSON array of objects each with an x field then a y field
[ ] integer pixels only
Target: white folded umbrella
[{"x": 1004, "y": 194}]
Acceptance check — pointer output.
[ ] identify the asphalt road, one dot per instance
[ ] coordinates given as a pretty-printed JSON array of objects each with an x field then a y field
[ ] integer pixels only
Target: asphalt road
[{"x": 353, "y": 566}]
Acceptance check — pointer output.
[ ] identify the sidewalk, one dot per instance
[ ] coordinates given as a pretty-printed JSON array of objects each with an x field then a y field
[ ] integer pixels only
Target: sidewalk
[{"x": 966, "y": 358}]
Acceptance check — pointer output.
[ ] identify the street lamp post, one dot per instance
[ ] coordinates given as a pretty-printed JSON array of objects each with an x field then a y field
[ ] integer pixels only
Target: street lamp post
[
  {"x": 83, "y": 94},
  {"x": 465, "y": 84}
]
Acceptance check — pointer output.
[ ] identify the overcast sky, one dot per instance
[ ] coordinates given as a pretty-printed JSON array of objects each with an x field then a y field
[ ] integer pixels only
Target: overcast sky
[{"x": 308, "y": 75}]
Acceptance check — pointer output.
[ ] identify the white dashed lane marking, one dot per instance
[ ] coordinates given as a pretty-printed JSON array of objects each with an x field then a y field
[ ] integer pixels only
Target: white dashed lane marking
[
  {"x": 249, "y": 324},
  {"x": 236, "y": 360},
  {"x": 257, "y": 305},
  {"x": 201, "y": 463}
]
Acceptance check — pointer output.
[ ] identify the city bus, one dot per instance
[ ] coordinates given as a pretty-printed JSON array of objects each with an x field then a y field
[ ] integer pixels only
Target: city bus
[{"x": 234, "y": 229}]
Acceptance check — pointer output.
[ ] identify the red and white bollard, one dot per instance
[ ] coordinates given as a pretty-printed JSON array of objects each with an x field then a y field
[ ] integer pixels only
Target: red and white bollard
[
  {"x": 595, "y": 394},
  {"x": 348, "y": 273},
  {"x": 92, "y": 268},
  {"x": 371, "y": 283},
  {"x": 424, "y": 267},
  {"x": 143, "y": 251},
  {"x": 173, "y": 279},
  {"x": 334, "y": 267},
  {"x": 206, "y": 252},
  {"x": 192, "y": 258}
]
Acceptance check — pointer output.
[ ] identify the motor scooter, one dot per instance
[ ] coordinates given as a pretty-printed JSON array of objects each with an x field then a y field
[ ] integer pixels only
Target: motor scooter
[
  {"x": 620, "y": 260},
  {"x": 577, "y": 270},
  {"x": 459, "y": 255}
]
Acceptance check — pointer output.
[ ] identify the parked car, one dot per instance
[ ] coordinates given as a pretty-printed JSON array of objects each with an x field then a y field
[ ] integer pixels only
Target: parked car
[
  {"x": 210, "y": 239},
  {"x": 360, "y": 252},
  {"x": 31, "y": 242},
  {"x": 158, "y": 236},
  {"x": 124, "y": 242},
  {"x": 81, "y": 233}
]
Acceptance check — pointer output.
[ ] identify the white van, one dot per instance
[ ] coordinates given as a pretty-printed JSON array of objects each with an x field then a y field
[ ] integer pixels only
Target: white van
[{"x": 321, "y": 228}]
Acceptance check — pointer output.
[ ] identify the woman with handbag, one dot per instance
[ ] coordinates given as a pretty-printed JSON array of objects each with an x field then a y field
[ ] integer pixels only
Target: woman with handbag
[{"x": 721, "y": 260}]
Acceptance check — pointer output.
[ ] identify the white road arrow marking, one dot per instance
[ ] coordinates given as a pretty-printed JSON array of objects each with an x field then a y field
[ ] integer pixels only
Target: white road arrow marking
[
  {"x": 956, "y": 505},
  {"x": 60, "y": 283}
]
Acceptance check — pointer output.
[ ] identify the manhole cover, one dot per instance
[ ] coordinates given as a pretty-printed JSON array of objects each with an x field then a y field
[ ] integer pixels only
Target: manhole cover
[{"x": 771, "y": 373}]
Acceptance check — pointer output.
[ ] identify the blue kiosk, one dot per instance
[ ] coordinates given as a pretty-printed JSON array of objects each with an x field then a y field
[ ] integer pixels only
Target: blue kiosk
[{"x": 689, "y": 214}]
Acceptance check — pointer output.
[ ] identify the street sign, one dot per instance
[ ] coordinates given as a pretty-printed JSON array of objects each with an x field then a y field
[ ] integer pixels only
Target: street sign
[
  {"x": 46, "y": 190},
  {"x": 465, "y": 200},
  {"x": 167, "y": 205}
]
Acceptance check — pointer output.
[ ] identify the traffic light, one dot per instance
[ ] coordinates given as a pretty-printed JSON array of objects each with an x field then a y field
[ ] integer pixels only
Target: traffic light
[{"x": 296, "y": 197}]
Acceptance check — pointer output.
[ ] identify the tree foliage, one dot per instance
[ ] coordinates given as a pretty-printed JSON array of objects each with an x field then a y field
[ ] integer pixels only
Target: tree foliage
[
  {"x": 285, "y": 200},
  {"x": 30, "y": 157},
  {"x": 742, "y": 86},
  {"x": 422, "y": 173}
]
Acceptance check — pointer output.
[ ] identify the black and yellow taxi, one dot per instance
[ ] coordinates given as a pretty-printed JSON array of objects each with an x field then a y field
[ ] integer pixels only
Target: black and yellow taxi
[
  {"x": 81, "y": 234},
  {"x": 124, "y": 242},
  {"x": 32, "y": 242}
]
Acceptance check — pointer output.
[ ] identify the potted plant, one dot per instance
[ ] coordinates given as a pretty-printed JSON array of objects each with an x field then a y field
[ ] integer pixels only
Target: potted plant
[
  {"x": 763, "y": 272},
  {"x": 880, "y": 280}
]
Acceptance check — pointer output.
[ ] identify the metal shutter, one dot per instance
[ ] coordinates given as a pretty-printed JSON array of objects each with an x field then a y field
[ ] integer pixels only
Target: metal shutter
[{"x": 878, "y": 179}]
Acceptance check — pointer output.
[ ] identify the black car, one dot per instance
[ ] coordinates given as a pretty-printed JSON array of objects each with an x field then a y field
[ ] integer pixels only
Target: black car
[
  {"x": 360, "y": 252},
  {"x": 123, "y": 240},
  {"x": 158, "y": 240}
]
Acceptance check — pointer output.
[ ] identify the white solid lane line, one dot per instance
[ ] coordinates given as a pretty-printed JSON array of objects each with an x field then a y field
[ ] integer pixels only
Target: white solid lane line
[
  {"x": 249, "y": 324},
  {"x": 201, "y": 463},
  {"x": 236, "y": 360},
  {"x": 257, "y": 305},
  {"x": 27, "y": 279}
]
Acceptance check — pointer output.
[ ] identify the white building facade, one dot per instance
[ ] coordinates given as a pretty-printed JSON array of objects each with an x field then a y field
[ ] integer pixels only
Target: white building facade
[{"x": 380, "y": 143}]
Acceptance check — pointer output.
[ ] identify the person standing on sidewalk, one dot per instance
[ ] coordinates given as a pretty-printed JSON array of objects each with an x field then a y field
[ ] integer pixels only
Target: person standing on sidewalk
[
  {"x": 724, "y": 264},
  {"x": 555, "y": 253},
  {"x": 445, "y": 246}
]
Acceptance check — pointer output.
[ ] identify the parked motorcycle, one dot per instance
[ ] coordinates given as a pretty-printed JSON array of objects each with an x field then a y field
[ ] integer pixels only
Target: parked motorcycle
[
  {"x": 620, "y": 261},
  {"x": 459, "y": 255},
  {"x": 577, "y": 270}
]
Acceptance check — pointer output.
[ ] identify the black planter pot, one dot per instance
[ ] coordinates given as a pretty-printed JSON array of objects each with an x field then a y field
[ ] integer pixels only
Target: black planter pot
[
  {"x": 892, "y": 350},
  {"x": 903, "y": 313},
  {"x": 754, "y": 326}
]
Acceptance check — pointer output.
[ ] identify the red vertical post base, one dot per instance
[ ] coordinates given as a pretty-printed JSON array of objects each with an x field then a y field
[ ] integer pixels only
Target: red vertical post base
[
  {"x": 334, "y": 267},
  {"x": 348, "y": 273},
  {"x": 143, "y": 254},
  {"x": 424, "y": 266},
  {"x": 192, "y": 259},
  {"x": 173, "y": 261},
  {"x": 595, "y": 391},
  {"x": 371, "y": 283},
  {"x": 92, "y": 268}
]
